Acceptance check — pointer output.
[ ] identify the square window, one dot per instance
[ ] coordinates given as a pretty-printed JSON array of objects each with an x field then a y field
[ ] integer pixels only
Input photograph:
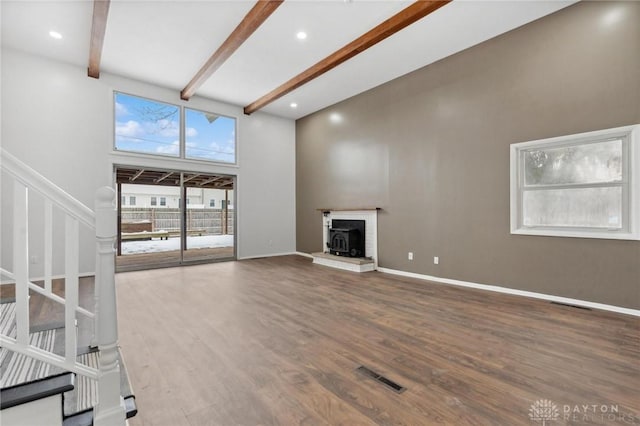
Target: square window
[
  {"x": 146, "y": 126},
  {"x": 210, "y": 136},
  {"x": 582, "y": 185}
]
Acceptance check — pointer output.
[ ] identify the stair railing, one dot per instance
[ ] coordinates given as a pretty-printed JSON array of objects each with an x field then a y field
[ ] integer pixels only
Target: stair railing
[{"x": 110, "y": 409}]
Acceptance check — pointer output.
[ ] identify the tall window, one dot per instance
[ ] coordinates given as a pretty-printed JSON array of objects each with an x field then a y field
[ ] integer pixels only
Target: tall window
[
  {"x": 582, "y": 185},
  {"x": 163, "y": 201},
  {"x": 152, "y": 127},
  {"x": 132, "y": 201},
  {"x": 154, "y": 201},
  {"x": 212, "y": 203}
]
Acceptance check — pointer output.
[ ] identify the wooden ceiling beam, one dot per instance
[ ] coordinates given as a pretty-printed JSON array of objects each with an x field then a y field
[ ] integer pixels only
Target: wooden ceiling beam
[
  {"x": 98, "y": 30},
  {"x": 163, "y": 177},
  {"x": 256, "y": 16},
  {"x": 397, "y": 22},
  {"x": 213, "y": 179},
  {"x": 187, "y": 179},
  {"x": 136, "y": 176}
]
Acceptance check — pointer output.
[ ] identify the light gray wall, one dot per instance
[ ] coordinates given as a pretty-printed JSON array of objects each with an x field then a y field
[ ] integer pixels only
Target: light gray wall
[
  {"x": 60, "y": 122},
  {"x": 432, "y": 149}
]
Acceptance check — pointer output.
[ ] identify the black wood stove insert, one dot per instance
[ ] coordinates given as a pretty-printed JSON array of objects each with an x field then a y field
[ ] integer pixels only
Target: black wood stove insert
[{"x": 346, "y": 238}]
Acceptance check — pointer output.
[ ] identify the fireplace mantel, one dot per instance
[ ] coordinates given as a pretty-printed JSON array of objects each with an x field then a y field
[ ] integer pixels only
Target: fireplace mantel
[{"x": 351, "y": 209}]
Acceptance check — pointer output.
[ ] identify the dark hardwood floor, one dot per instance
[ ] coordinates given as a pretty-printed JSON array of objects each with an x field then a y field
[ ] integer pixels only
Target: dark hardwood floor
[{"x": 277, "y": 341}]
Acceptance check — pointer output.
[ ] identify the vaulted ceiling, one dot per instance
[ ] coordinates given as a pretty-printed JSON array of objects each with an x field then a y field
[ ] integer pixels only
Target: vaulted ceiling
[{"x": 167, "y": 42}]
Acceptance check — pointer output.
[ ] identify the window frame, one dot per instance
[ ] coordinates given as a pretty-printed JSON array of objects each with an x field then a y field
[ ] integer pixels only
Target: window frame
[
  {"x": 154, "y": 201},
  {"x": 153, "y": 154},
  {"x": 184, "y": 136},
  {"x": 181, "y": 156},
  {"x": 630, "y": 136}
]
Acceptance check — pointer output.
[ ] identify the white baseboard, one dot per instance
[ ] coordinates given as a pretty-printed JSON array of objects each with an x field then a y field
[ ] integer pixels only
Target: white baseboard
[
  {"x": 303, "y": 254},
  {"x": 513, "y": 291},
  {"x": 289, "y": 253}
]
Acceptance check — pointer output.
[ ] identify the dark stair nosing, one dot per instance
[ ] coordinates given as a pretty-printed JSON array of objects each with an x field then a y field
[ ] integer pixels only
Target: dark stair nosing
[
  {"x": 33, "y": 391},
  {"x": 85, "y": 418}
]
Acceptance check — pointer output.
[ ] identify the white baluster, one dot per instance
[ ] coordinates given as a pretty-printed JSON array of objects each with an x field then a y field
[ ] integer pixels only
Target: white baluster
[
  {"x": 21, "y": 259},
  {"x": 48, "y": 244},
  {"x": 71, "y": 269},
  {"x": 110, "y": 409}
]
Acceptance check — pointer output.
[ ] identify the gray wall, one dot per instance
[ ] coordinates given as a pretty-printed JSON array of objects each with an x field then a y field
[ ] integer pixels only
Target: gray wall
[{"x": 432, "y": 149}]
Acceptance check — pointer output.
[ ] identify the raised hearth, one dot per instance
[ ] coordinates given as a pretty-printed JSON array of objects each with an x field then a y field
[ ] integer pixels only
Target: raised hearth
[{"x": 354, "y": 264}]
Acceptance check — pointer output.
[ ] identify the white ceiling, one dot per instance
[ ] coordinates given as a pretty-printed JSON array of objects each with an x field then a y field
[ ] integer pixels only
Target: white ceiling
[{"x": 166, "y": 42}]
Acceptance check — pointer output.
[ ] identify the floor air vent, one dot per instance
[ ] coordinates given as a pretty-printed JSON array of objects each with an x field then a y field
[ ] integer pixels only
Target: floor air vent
[
  {"x": 388, "y": 383},
  {"x": 572, "y": 306}
]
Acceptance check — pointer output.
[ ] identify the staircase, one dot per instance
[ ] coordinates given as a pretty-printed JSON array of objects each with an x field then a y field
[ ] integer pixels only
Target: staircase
[{"x": 50, "y": 373}]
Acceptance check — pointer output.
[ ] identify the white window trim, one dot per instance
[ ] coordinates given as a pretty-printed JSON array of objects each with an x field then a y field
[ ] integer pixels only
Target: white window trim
[{"x": 633, "y": 230}]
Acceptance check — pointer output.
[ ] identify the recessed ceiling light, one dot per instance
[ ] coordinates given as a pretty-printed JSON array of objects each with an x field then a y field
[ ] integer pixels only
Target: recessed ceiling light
[
  {"x": 301, "y": 35},
  {"x": 335, "y": 118},
  {"x": 293, "y": 105},
  {"x": 55, "y": 34}
]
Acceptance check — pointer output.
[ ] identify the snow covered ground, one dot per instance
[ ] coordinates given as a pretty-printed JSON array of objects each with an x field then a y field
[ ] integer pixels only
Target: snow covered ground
[{"x": 158, "y": 245}]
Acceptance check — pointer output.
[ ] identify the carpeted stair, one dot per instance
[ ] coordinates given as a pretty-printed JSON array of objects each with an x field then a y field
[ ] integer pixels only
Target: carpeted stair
[{"x": 21, "y": 374}]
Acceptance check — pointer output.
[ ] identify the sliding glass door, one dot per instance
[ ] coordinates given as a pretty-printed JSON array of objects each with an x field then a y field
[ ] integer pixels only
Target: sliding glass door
[
  {"x": 170, "y": 218},
  {"x": 210, "y": 223}
]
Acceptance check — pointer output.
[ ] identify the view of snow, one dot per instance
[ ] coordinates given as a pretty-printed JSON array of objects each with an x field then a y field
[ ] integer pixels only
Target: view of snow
[{"x": 158, "y": 245}]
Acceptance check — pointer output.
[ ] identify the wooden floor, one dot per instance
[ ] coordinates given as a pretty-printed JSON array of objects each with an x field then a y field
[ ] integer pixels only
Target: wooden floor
[
  {"x": 276, "y": 341},
  {"x": 45, "y": 313},
  {"x": 135, "y": 261}
]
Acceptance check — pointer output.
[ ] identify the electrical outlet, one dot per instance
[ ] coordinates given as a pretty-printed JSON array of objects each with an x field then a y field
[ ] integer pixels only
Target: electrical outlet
[
  {"x": 436, "y": 260},
  {"x": 410, "y": 255}
]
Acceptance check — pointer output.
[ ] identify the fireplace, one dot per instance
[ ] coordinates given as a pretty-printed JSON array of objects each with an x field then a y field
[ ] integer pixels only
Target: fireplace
[
  {"x": 346, "y": 230},
  {"x": 347, "y": 238}
]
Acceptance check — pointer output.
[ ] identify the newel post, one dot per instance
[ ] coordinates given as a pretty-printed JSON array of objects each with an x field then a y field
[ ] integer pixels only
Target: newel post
[{"x": 110, "y": 409}]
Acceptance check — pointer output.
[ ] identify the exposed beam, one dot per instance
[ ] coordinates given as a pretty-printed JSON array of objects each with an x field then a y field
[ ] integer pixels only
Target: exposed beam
[
  {"x": 402, "y": 19},
  {"x": 187, "y": 179},
  {"x": 137, "y": 175},
  {"x": 213, "y": 179},
  {"x": 98, "y": 29},
  {"x": 163, "y": 177},
  {"x": 256, "y": 16}
]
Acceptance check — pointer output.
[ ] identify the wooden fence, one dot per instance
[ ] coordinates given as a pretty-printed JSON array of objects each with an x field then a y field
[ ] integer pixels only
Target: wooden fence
[{"x": 207, "y": 221}]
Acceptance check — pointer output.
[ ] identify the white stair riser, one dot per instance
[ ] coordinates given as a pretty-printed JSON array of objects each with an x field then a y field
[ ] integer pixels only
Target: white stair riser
[{"x": 42, "y": 412}]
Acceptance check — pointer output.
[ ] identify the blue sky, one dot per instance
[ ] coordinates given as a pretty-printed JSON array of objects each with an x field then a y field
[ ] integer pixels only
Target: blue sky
[{"x": 153, "y": 127}]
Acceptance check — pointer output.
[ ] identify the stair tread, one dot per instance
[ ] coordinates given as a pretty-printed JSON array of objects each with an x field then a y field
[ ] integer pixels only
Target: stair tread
[{"x": 43, "y": 388}]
